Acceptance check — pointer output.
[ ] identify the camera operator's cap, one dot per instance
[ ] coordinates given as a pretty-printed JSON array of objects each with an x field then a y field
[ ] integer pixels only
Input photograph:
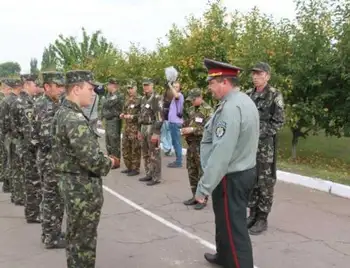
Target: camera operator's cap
[
  {"x": 147, "y": 81},
  {"x": 261, "y": 67},
  {"x": 221, "y": 69},
  {"x": 113, "y": 81},
  {"x": 54, "y": 77},
  {"x": 29, "y": 77},
  {"x": 78, "y": 76},
  {"x": 194, "y": 93},
  {"x": 12, "y": 82}
]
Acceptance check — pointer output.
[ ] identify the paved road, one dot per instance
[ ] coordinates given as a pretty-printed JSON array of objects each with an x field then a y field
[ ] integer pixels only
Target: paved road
[{"x": 307, "y": 229}]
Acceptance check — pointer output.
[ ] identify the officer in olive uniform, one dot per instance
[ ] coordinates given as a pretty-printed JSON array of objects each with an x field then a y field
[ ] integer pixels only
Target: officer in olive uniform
[
  {"x": 112, "y": 108},
  {"x": 198, "y": 115},
  {"x": 150, "y": 121},
  {"x": 269, "y": 102},
  {"x": 228, "y": 158},
  {"x": 131, "y": 146}
]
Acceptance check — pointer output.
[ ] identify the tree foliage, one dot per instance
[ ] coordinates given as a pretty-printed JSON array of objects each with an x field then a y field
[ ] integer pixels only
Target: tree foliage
[
  {"x": 34, "y": 66},
  {"x": 309, "y": 57},
  {"x": 8, "y": 69}
]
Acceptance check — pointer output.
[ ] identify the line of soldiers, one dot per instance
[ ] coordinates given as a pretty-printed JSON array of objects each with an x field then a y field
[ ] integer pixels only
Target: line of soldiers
[{"x": 25, "y": 118}]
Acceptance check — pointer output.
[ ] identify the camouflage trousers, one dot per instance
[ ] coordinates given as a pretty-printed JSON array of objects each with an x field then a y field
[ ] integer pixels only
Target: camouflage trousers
[
  {"x": 6, "y": 187},
  {"x": 16, "y": 175},
  {"x": 32, "y": 186},
  {"x": 52, "y": 207},
  {"x": 131, "y": 148},
  {"x": 113, "y": 131},
  {"x": 193, "y": 164},
  {"x": 261, "y": 198},
  {"x": 83, "y": 202},
  {"x": 151, "y": 154}
]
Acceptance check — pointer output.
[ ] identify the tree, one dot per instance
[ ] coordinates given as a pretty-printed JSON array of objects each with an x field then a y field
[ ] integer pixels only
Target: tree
[
  {"x": 34, "y": 66},
  {"x": 93, "y": 53},
  {"x": 10, "y": 68}
]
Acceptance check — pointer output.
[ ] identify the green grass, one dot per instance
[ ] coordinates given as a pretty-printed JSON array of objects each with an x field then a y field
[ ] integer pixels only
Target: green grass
[{"x": 317, "y": 156}]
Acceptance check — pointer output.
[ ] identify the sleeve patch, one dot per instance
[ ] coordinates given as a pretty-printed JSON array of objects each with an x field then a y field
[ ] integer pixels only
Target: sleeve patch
[{"x": 220, "y": 129}]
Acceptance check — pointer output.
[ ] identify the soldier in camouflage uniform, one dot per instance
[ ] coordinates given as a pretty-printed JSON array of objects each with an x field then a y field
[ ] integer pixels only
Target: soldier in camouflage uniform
[
  {"x": 22, "y": 111},
  {"x": 150, "y": 121},
  {"x": 198, "y": 115},
  {"x": 52, "y": 205},
  {"x": 269, "y": 102},
  {"x": 131, "y": 144},
  {"x": 112, "y": 107},
  {"x": 3, "y": 154},
  {"x": 12, "y": 175},
  {"x": 78, "y": 159}
]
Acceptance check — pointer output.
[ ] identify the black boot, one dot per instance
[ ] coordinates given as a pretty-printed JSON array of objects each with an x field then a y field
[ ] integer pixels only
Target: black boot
[
  {"x": 252, "y": 218},
  {"x": 190, "y": 202},
  {"x": 200, "y": 206},
  {"x": 133, "y": 173},
  {"x": 213, "y": 259},
  {"x": 125, "y": 171},
  {"x": 146, "y": 178},
  {"x": 260, "y": 224}
]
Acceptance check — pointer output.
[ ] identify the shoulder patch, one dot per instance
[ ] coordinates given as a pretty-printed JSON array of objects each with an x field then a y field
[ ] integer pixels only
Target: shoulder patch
[
  {"x": 279, "y": 101},
  {"x": 220, "y": 129}
]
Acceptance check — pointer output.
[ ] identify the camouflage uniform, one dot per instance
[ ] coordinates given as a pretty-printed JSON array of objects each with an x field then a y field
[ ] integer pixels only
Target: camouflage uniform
[
  {"x": 3, "y": 156},
  {"x": 131, "y": 144},
  {"x": 271, "y": 110},
  {"x": 22, "y": 120},
  {"x": 197, "y": 117},
  {"x": 52, "y": 205},
  {"x": 112, "y": 107},
  {"x": 150, "y": 121},
  {"x": 79, "y": 161},
  {"x": 12, "y": 173}
]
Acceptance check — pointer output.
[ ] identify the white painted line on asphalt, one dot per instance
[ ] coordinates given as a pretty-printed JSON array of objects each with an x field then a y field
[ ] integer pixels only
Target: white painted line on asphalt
[{"x": 162, "y": 220}]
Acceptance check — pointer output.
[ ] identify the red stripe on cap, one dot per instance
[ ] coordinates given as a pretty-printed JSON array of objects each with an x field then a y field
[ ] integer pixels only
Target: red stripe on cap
[{"x": 221, "y": 72}]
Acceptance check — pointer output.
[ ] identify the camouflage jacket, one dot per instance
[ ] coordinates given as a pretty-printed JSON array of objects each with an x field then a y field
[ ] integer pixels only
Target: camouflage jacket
[
  {"x": 5, "y": 116},
  {"x": 132, "y": 107},
  {"x": 271, "y": 110},
  {"x": 2, "y": 96},
  {"x": 197, "y": 117},
  {"x": 22, "y": 111},
  {"x": 112, "y": 106},
  {"x": 44, "y": 112},
  {"x": 75, "y": 147},
  {"x": 151, "y": 112}
]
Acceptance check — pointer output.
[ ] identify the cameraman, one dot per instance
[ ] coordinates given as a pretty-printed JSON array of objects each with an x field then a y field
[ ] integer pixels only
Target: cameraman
[{"x": 175, "y": 122}]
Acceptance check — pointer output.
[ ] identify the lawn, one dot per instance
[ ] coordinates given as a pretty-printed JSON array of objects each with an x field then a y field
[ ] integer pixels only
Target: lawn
[{"x": 317, "y": 156}]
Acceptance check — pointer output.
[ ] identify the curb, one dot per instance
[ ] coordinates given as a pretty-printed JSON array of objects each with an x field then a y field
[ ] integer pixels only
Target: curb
[{"x": 330, "y": 187}]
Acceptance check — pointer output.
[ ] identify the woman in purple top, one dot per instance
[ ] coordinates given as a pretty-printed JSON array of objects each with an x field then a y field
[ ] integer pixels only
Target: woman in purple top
[{"x": 175, "y": 122}]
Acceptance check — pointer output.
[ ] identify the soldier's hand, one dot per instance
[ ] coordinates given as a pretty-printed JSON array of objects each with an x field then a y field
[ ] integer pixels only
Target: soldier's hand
[
  {"x": 121, "y": 116},
  {"x": 115, "y": 161},
  {"x": 139, "y": 136},
  {"x": 186, "y": 131},
  {"x": 155, "y": 138}
]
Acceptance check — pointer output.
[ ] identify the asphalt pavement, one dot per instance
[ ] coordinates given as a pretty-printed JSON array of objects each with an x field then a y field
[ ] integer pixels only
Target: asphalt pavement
[{"x": 150, "y": 227}]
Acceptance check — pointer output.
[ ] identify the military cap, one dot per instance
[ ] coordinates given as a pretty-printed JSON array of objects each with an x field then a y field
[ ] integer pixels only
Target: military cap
[
  {"x": 113, "y": 81},
  {"x": 12, "y": 82},
  {"x": 29, "y": 77},
  {"x": 261, "y": 67},
  {"x": 54, "y": 77},
  {"x": 194, "y": 93},
  {"x": 78, "y": 76},
  {"x": 147, "y": 81},
  {"x": 220, "y": 69},
  {"x": 131, "y": 83}
]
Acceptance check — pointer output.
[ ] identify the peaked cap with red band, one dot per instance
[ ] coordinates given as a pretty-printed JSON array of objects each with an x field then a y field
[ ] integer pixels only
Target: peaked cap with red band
[{"x": 217, "y": 69}]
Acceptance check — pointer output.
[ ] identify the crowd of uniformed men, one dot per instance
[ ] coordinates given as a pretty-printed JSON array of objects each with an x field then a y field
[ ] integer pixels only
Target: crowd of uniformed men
[{"x": 52, "y": 161}]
